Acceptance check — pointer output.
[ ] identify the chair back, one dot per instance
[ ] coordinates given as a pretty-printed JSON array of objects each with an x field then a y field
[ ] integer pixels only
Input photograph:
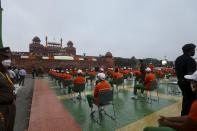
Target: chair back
[
  {"x": 105, "y": 97},
  {"x": 92, "y": 77},
  {"x": 125, "y": 76},
  {"x": 79, "y": 87},
  {"x": 153, "y": 85},
  {"x": 68, "y": 82},
  {"x": 118, "y": 81}
]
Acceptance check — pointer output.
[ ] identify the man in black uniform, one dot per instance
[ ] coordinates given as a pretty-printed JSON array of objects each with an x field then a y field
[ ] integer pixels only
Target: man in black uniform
[
  {"x": 186, "y": 65},
  {"x": 7, "y": 99}
]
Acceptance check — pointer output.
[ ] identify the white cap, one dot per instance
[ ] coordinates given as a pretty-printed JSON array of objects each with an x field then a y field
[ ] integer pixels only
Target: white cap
[
  {"x": 148, "y": 69},
  {"x": 79, "y": 71},
  {"x": 101, "y": 76},
  {"x": 101, "y": 69},
  {"x": 111, "y": 69},
  {"x": 125, "y": 68},
  {"x": 192, "y": 77}
]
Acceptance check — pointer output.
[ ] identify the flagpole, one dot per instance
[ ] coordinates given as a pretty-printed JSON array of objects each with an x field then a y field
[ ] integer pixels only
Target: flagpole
[{"x": 1, "y": 10}]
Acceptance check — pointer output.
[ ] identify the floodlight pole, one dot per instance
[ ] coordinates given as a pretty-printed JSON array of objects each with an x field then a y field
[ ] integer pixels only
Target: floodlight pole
[{"x": 165, "y": 57}]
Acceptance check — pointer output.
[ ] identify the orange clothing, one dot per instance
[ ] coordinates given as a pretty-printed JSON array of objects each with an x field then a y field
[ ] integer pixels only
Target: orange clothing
[
  {"x": 148, "y": 78},
  {"x": 58, "y": 74},
  {"x": 92, "y": 73},
  {"x": 79, "y": 80},
  {"x": 137, "y": 73},
  {"x": 193, "y": 112},
  {"x": 103, "y": 85},
  {"x": 67, "y": 77},
  {"x": 126, "y": 72},
  {"x": 62, "y": 75},
  {"x": 117, "y": 75},
  {"x": 160, "y": 74}
]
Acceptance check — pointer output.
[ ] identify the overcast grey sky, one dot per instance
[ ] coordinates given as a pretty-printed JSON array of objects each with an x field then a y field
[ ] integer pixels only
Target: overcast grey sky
[{"x": 140, "y": 28}]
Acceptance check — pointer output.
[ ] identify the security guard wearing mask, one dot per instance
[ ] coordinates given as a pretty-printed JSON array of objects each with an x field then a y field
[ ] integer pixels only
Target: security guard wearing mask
[{"x": 7, "y": 98}]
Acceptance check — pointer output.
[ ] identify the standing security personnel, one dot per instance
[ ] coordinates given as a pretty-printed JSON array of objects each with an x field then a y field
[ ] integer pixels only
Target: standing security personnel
[
  {"x": 7, "y": 98},
  {"x": 186, "y": 65}
]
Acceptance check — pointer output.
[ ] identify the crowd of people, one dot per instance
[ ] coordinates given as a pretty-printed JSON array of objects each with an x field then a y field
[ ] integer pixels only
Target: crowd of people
[
  {"x": 104, "y": 79},
  {"x": 185, "y": 67}
]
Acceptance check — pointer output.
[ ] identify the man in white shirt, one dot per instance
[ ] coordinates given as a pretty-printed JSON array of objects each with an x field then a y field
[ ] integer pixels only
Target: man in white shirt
[
  {"x": 11, "y": 74},
  {"x": 22, "y": 74}
]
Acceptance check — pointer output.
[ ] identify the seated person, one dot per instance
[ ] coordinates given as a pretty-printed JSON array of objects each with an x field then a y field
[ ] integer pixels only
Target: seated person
[
  {"x": 79, "y": 79},
  {"x": 74, "y": 72},
  {"x": 102, "y": 85},
  {"x": 67, "y": 79},
  {"x": 138, "y": 76},
  {"x": 148, "y": 78},
  {"x": 67, "y": 76},
  {"x": 117, "y": 74},
  {"x": 92, "y": 75},
  {"x": 181, "y": 123},
  {"x": 126, "y": 73},
  {"x": 146, "y": 85}
]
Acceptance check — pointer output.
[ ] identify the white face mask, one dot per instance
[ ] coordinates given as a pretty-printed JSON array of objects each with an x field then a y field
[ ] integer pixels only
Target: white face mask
[{"x": 6, "y": 63}]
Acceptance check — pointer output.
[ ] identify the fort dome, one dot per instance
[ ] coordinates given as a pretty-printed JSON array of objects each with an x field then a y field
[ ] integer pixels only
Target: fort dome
[
  {"x": 108, "y": 54},
  {"x": 36, "y": 39}
]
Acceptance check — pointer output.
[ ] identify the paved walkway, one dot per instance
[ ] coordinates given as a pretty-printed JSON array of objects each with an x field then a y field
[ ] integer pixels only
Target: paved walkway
[
  {"x": 23, "y": 104},
  {"x": 132, "y": 115},
  {"x": 47, "y": 112}
]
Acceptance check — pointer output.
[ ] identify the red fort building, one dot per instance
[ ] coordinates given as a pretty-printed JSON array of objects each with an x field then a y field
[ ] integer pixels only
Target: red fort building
[{"x": 53, "y": 54}]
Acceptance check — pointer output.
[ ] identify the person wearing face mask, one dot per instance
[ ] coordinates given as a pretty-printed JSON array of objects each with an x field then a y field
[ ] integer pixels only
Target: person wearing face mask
[
  {"x": 12, "y": 74},
  {"x": 181, "y": 123},
  {"x": 186, "y": 65},
  {"x": 7, "y": 98}
]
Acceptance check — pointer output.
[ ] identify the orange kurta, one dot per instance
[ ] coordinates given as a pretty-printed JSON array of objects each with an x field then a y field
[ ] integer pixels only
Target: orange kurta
[
  {"x": 79, "y": 80},
  {"x": 117, "y": 75},
  {"x": 148, "y": 78},
  {"x": 67, "y": 77},
  {"x": 103, "y": 85}
]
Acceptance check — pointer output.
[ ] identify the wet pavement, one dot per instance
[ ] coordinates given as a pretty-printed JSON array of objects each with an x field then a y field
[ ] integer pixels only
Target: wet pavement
[{"x": 23, "y": 104}]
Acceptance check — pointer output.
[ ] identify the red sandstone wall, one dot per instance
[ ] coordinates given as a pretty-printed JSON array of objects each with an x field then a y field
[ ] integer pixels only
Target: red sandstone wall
[{"x": 30, "y": 63}]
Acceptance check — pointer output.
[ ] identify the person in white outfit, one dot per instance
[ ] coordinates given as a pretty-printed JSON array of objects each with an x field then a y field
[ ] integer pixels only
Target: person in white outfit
[{"x": 22, "y": 74}]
